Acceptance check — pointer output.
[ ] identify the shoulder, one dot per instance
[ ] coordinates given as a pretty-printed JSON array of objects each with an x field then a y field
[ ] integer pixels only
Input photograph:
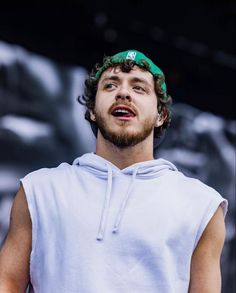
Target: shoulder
[
  {"x": 205, "y": 192},
  {"x": 196, "y": 193},
  {"x": 193, "y": 186},
  {"x": 47, "y": 179},
  {"x": 45, "y": 173}
]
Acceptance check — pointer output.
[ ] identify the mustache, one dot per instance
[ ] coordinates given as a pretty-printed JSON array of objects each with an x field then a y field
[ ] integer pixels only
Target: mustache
[{"x": 121, "y": 103}]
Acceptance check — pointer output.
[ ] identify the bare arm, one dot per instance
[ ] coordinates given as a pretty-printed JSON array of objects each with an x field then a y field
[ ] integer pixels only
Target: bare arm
[
  {"x": 205, "y": 265},
  {"x": 15, "y": 253}
]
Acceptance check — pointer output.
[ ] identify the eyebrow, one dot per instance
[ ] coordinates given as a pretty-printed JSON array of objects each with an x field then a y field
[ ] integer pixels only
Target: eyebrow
[
  {"x": 133, "y": 79},
  {"x": 112, "y": 77},
  {"x": 142, "y": 80}
]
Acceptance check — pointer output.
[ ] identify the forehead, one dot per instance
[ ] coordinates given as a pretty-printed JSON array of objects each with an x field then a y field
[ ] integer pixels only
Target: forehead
[{"x": 135, "y": 73}]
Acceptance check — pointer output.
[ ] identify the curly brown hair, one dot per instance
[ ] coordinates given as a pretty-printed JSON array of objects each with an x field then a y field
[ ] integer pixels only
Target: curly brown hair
[{"x": 91, "y": 84}]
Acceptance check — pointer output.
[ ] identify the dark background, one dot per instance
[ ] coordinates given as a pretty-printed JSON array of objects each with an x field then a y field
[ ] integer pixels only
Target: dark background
[{"x": 193, "y": 42}]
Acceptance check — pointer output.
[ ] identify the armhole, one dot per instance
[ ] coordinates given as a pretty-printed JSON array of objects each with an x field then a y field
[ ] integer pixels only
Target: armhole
[
  {"x": 209, "y": 213},
  {"x": 31, "y": 207}
]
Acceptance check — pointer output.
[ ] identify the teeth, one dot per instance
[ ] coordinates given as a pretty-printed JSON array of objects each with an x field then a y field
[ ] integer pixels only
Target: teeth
[{"x": 121, "y": 111}]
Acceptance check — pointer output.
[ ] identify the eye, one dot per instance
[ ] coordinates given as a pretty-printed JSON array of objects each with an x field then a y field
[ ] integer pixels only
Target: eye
[
  {"x": 109, "y": 86},
  {"x": 139, "y": 88}
]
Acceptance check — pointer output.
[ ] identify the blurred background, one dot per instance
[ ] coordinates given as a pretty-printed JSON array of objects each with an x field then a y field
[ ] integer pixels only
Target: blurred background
[{"x": 46, "y": 52}]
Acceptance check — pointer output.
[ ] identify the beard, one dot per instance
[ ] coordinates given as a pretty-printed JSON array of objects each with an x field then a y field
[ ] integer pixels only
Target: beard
[{"x": 124, "y": 138}]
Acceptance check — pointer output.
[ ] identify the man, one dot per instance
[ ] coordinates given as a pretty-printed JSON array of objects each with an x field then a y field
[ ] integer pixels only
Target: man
[{"x": 117, "y": 220}]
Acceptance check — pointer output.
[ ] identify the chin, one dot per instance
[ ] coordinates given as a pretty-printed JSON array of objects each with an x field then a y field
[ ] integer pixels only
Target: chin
[
  {"x": 124, "y": 138},
  {"x": 124, "y": 135}
]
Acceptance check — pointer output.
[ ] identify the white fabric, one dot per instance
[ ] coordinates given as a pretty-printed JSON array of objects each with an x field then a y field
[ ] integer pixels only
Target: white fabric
[{"x": 97, "y": 228}]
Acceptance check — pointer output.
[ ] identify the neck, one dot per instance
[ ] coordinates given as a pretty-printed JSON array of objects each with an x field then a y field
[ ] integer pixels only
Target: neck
[{"x": 124, "y": 157}]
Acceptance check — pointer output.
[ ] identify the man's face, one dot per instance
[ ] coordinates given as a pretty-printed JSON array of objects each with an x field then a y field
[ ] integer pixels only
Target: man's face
[{"x": 126, "y": 106}]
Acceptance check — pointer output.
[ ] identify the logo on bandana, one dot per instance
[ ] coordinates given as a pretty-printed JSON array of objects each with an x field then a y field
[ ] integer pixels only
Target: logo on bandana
[{"x": 131, "y": 55}]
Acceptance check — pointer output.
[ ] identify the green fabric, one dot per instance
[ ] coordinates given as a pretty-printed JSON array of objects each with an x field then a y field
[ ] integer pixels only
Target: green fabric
[{"x": 138, "y": 58}]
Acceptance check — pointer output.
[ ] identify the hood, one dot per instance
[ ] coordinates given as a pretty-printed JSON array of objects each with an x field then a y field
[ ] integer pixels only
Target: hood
[{"x": 104, "y": 169}]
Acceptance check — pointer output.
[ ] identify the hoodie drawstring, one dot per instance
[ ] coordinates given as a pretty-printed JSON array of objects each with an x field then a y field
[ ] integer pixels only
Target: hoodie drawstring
[
  {"x": 105, "y": 209},
  {"x": 124, "y": 203},
  {"x": 106, "y": 204}
]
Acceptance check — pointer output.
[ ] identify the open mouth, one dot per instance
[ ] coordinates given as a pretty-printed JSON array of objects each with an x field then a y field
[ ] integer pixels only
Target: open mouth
[{"x": 123, "y": 112}]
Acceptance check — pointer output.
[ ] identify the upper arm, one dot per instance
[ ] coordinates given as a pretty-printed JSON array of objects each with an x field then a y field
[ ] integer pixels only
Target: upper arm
[
  {"x": 205, "y": 264},
  {"x": 15, "y": 253}
]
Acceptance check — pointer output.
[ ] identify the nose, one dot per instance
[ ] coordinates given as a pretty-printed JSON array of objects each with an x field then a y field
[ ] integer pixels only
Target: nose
[
  {"x": 123, "y": 94},
  {"x": 123, "y": 97}
]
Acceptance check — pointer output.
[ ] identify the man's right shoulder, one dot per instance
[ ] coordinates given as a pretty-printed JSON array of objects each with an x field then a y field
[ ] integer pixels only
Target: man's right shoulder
[{"x": 46, "y": 173}]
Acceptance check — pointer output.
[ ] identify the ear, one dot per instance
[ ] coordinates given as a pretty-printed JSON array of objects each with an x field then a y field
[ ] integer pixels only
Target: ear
[
  {"x": 160, "y": 120},
  {"x": 92, "y": 115}
]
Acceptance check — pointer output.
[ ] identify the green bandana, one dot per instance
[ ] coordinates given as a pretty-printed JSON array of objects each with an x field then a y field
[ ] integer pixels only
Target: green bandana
[{"x": 138, "y": 59}]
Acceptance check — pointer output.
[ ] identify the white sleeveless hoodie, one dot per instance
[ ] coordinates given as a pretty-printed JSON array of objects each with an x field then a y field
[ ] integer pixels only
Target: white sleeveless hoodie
[{"x": 99, "y": 229}]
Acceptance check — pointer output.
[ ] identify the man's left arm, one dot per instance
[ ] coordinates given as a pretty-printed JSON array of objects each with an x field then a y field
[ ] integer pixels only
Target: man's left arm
[{"x": 205, "y": 274}]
